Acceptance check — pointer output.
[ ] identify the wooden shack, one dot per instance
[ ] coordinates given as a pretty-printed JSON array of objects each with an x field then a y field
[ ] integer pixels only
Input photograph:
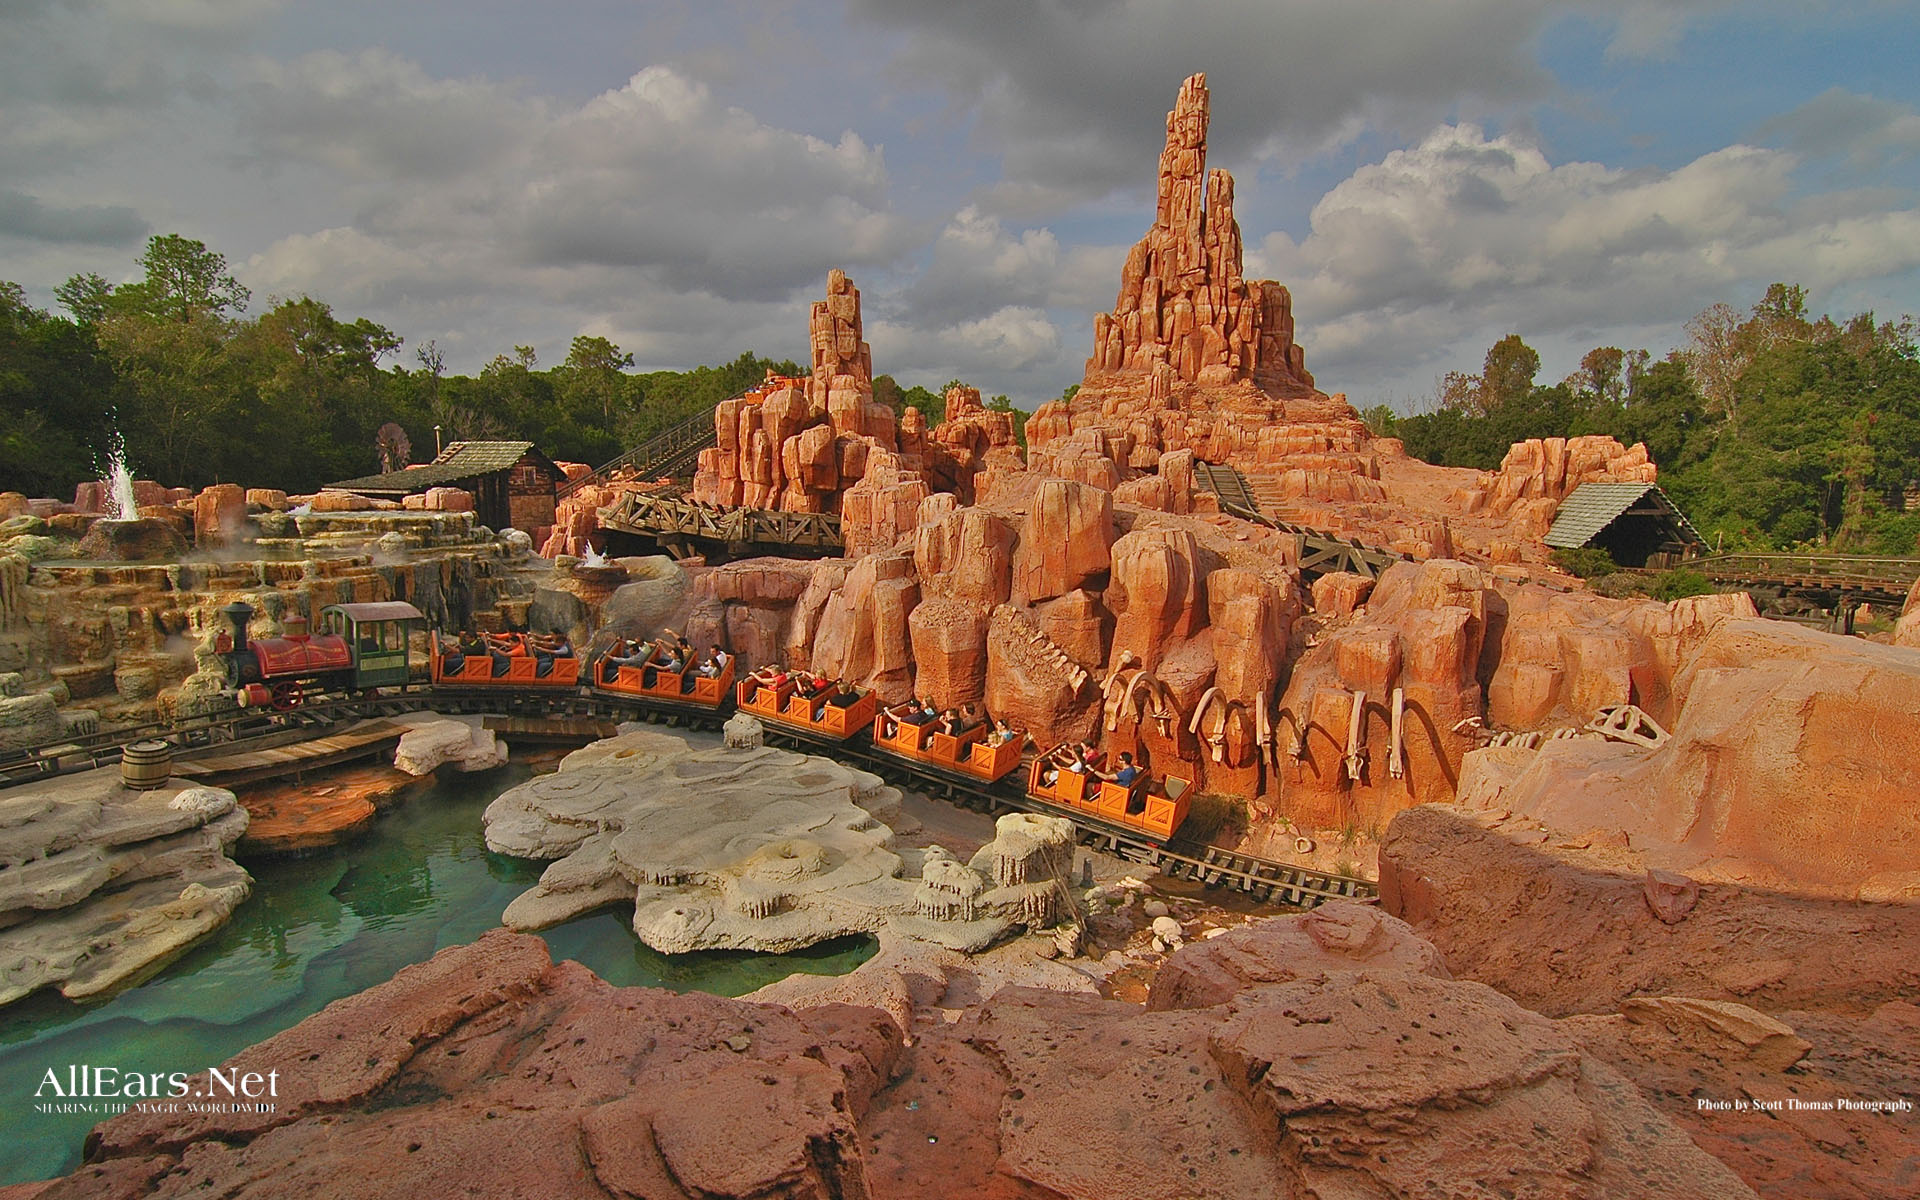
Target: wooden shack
[
  {"x": 513, "y": 484},
  {"x": 1636, "y": 523}
]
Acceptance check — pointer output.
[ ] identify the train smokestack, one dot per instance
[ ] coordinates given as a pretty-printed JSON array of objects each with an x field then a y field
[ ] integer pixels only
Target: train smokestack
[{"x": 239, "y": 613}]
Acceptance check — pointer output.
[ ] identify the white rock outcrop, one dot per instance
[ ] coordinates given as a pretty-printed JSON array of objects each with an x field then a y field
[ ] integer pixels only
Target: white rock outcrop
[
  {"x": 436, "y": 743},
  {"x": 761, "y": 849},
  {"x": 101, "y": 886}
]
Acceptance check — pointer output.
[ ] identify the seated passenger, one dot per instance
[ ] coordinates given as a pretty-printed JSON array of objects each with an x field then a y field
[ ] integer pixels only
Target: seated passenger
[
  {"x": 663, "y": 660},
  {"x": 950, "y": 722},
  {"x": 1002, "y": 733},
  {"x": 1079, "y": 765},
  {"x": 838, "y": 694},
  {"x": 769, "y": 676},
  {"x": 501, "y": 648},
  {"x": 890, "y": 718},
  {"x": 1126, "y": 777},
  {"x": 452, "y": 657},
  {"x": 1092, "y": 755},
  {"x": 546, "y": 648},
  {"x": 924, "y": 714},
  {"x": 720, "y": 660},
  {"x": 1068, "y": 757},
  {"x": 615, "y": 657}
]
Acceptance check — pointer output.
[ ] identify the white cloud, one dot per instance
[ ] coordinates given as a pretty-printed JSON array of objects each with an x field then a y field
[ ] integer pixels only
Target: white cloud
[
  {"x": 1466, "y": 233},
  {"x": 1072, "y": 93},
  {"x": 654, "y": 176},
  {"x": 1865, "y": 131},
  {"x": 1016, "y": 349}
]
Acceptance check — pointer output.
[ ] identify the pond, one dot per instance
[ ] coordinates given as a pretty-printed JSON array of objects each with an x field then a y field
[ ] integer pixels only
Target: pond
[{"x": 322, "y": 927}]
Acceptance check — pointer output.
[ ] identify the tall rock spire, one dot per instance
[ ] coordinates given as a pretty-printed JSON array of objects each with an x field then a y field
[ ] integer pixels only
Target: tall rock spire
[{"x": 1183, "y": 301}]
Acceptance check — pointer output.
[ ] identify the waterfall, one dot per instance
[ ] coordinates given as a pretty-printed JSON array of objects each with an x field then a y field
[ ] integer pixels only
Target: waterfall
[{"x": 119, "y": 499}]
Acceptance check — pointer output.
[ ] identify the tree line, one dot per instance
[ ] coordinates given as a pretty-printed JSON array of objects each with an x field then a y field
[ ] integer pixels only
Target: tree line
[
  {"x": 295, "y": 397},
  {"x": 1772, "y": 429}
]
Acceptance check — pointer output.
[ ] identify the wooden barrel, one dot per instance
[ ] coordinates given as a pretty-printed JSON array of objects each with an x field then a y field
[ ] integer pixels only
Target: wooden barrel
[{"x": 146, "y": 765}]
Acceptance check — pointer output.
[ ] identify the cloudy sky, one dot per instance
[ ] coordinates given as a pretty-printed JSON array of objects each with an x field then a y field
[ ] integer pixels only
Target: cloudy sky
[{"x": 679, "y": 177}]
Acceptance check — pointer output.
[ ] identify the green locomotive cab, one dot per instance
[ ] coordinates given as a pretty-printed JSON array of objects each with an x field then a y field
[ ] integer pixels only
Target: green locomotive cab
[{"x": 377, "y": 636}]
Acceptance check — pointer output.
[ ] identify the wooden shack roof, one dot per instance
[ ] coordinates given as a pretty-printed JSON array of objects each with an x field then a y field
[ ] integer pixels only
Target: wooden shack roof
[
  {"x": 1592, "y": 507},
  {"x": 459, "y": 461}
]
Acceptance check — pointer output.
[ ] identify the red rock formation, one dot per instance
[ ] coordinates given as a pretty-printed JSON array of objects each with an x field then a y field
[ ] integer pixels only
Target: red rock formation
[
  {"x": 1792, "y": 764},
  {"x": 746, "y": 606},
  {"x": 1422, "y": 634},
  {"x": 1808, "y": 1141},
  {"x": 300, "y": 817},
  {"x": 969, "y": 439},
  {"x": 1537, "y": 474},
  {"x": 1066, "y": 541},
  {"x": 863, "y": 636},
  {"x": 805, "y": 445},
  {"x": 403, "y": 1090},
  {"x": 1252, "y": 618},
  {"x": 826, "y": 578},
  {"x": 1182, "y": 300},
  {"x": 1339, "y": 594},
  {"x": 219, "y": 516},
  {"x": 1562, "y": 923},
  {"x": 883, "y": 507},
  {"x": 1158, "y": 593},
  {"x": 1034, "y": 684},
  {"x": 1907, "y": 631},
  {"x": 1320, "y": 1055}
]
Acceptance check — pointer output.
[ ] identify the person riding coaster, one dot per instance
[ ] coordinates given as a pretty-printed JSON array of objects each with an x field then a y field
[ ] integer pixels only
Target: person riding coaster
[
  {"x": 770, "y": 677},
  {"x": 1068, "y": 757}
]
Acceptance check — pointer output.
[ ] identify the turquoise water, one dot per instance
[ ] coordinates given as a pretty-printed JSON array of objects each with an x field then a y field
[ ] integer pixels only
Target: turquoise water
[{"x": 320, "y": 928}]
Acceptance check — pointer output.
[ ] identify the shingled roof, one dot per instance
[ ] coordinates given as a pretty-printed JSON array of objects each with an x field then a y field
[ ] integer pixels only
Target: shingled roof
[
  {"x": 460, "y": 460},
  {"x": 1593, "y": 506}
]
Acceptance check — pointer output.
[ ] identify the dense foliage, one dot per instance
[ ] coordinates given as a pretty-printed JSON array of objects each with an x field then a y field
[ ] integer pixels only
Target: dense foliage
[
  {"x": 1771, "y": 430},
  {"x": 294, "y": 397}
]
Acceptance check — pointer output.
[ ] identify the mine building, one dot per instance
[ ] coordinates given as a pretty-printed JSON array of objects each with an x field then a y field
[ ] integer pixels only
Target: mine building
[
  {"x": 513, "y": 484},
  {"x": 1636, "y": 523}
]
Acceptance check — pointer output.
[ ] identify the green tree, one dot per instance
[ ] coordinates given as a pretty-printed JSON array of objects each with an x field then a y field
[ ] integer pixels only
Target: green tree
[
  {"x": 184, "y": 281},
  {"x": 86, "y": 297},
  {"x": 592, "y": 379},
  {"x": 56, "y": 396},
  {"x": 1507, "y": 377},
  {"x": 1380, "y": 420}
]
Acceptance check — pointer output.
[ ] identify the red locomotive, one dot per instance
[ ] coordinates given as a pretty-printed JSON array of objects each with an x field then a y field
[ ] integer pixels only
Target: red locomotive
[{"x": 364, "y": 646}]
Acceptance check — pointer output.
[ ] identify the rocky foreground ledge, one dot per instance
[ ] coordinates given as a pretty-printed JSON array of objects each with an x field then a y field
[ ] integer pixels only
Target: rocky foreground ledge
[{"x": 1324, "y": 1054}]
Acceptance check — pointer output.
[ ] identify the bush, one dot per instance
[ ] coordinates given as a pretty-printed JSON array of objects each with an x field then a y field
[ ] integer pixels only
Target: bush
[
  {"x": 1621, "y": 585},
  {"x": 1672, "y": 585},
  {"x": 1586, "y": 562}
]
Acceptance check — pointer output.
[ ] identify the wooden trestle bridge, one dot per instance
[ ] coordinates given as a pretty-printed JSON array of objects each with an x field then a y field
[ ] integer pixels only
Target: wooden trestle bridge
[{"x": 686, "y": 527}]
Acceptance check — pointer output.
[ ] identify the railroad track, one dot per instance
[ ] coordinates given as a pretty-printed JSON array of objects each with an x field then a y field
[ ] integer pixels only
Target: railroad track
[{"x": 1263, "y": 880}]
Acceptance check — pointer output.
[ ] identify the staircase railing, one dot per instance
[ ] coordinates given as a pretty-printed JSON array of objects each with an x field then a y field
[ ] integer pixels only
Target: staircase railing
[{"x": 666, "y": 453}]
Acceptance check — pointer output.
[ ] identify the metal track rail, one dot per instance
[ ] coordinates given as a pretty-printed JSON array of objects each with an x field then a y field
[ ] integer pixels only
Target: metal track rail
[{"x": 1264, "y": 880}]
